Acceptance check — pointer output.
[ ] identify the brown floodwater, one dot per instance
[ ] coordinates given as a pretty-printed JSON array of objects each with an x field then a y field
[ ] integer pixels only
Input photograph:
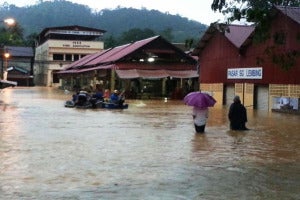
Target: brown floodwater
[{"x": 148, "y": 151}]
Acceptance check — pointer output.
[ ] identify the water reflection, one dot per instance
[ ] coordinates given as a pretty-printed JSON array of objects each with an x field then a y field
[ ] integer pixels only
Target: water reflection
[{"x": 149, "y": 151}]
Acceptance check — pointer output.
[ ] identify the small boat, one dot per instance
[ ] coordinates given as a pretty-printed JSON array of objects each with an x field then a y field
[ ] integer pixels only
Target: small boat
[
  {"x": 113, "y": 105},
  {"x": 98, "y": 104},
  {"x": 70, "y": 104}
]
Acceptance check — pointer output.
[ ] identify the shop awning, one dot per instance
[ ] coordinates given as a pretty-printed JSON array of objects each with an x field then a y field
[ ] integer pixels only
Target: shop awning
[{"x": 135, "y": 73}]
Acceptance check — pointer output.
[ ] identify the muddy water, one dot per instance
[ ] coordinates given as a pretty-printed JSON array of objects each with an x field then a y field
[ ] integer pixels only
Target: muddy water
[{"x": 149, "y": 151}]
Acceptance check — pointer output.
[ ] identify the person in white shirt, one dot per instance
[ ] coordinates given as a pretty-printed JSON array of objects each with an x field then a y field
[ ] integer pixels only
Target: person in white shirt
[{"x": 200, "y": 116}]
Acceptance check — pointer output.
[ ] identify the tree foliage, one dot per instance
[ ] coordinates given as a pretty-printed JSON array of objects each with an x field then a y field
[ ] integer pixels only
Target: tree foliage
[
  {"x": 136, "y": 34},
  {"x": 12, "y": 35},
  {"x": 115, "y": 22}
]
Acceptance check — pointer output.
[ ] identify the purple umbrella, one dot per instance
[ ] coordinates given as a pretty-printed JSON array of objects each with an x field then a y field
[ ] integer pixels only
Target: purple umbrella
[{"x": 199, "y": 99}]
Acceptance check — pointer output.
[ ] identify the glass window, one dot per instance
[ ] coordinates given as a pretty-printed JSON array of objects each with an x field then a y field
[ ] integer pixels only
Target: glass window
[
  {"x": 76, "y": 57},
  {"x": 58, "y": 57},
  {"x": 68, "y": 57}
]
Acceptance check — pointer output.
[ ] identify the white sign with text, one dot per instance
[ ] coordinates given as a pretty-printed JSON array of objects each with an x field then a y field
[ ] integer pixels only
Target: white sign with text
[{"x": 245, "y": 73}]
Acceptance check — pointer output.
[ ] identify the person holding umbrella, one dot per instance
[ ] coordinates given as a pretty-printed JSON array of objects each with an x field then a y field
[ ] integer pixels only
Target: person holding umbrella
[
  {"x": 200, "y": 102},
  {"x": 200, "y": 116}
]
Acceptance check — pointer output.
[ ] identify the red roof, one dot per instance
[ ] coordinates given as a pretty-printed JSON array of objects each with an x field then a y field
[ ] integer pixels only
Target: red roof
[
  {"x": 119, "y": 52},
  {"x": 164, "y": 53},
  {"x": 78, "y": 62},
  {"x": 83, "y": 61}
]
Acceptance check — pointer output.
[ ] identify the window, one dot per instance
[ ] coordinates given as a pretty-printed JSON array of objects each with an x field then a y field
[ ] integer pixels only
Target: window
[
  {"x": 76, "y": 57},
  {"x": 58, "y": 57},
  {"x": 68, "y": 57}
]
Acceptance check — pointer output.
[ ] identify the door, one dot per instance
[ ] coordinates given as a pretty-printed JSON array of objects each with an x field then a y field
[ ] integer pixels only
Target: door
[{"x": 261, "y": 98}]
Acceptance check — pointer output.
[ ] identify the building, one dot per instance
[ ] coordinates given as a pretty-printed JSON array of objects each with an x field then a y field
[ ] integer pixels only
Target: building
[
  {"x": 57, "y": 47},
  {"x": 19, "y": 65},
  {"x": 152, "y": 67},
  {"x": 231, "y": 63}
]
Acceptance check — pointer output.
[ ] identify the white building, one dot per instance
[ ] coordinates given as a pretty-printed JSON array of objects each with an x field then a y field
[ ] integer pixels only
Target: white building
[{"x": 59, "y": 46}]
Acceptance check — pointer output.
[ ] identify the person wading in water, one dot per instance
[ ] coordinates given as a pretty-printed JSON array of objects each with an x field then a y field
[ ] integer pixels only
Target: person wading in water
[{"x": 237, "y": 115}]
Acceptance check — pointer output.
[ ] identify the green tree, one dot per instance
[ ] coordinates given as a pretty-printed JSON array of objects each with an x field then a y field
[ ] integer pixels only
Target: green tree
[
  {"x": 110, "y": 42},
  {"x": 31, "y": 40},
  {"x": 189, "y": 43},
  {"x": 12, "y": 35},
  {"x": 167, "y": 34},
  {"x": 136, "y": 34},
  {"x": 257, "y": 11}
]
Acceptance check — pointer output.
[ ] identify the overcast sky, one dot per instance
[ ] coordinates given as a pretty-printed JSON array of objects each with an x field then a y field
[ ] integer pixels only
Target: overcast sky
[{"x": 198, "y": 10}]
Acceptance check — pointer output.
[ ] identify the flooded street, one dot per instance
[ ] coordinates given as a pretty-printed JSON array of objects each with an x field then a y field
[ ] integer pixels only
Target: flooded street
[{"x": 148, "y": 151}]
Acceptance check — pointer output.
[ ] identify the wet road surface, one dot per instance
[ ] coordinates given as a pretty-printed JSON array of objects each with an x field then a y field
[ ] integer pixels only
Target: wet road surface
[{"x": 148, "y": 151}]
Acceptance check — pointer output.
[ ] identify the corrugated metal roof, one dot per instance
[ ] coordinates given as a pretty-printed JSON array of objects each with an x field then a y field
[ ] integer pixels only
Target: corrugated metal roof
[
  {"x": 78, "y": 63},
  {"x": 19, "y": 69},
  {"x": 120, "y": 51},
  {"x": 107, "y": 56},
  {"x": 292, "y": 12},
  {"x": 16, "y": 51},
  {"x": 86, "y": 59},
  {"x": 111, "y": 57}
]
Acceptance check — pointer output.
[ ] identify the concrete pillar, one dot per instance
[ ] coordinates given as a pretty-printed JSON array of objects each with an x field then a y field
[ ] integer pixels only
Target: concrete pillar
[
  {"x": 164, "y": 80},
  {"x": 112, "y": 80},
  {"x": 49, "y": 78}
]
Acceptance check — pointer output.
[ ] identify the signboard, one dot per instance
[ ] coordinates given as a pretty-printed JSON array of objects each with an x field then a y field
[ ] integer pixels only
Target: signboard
[
  {"x": 245, "y": 73},
  {"x": 77, "y": 44}
]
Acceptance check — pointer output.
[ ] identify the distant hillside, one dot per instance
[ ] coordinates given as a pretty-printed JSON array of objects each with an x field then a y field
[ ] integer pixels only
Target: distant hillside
[{"x": 64, "y": 13}]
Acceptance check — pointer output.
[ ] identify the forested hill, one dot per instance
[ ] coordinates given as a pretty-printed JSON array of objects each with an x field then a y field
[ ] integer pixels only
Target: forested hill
[{"x": 33, "y": 19}]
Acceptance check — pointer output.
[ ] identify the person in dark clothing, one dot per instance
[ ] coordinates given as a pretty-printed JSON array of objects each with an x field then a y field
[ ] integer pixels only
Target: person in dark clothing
[
  {"x": 237, "y": 115},
  {"x": 82, "y": 98}
]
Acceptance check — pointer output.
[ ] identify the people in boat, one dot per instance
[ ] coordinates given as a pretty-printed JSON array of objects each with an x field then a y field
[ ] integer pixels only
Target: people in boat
[
  {"x": 75, "y": 97},
  {"x": 98, "y": 95},
  {"x": 117, "y": 98},
  {"x": 97, "y": 98},
  {"x": 82, "y": 98},
  {"x": 106, "y": 95}
]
